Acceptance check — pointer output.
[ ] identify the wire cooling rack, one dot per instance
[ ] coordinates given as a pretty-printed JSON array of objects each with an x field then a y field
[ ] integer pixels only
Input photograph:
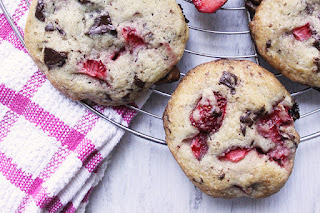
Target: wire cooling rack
[{"x": 155, "y": 91}]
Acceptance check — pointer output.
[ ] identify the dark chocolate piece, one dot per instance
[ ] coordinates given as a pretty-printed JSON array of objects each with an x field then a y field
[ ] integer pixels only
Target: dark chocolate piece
[
  {"x": 243, "y": 128},
  {"x": 249, "y": 118},
  {"x": 222, "y": 176},
  {"x": 294, "y": 112},
  {"x": 102, "y": 24},
  {"x": 230, "y": 80},
  {"x": 317, "y": 63},
  {"x": 138, "y": 82},
  {"x": 49, "y": 27},
  {"x": 309, "y": 9},
  {"x": 40, "y": 11},
  {"x": 316, "y": 44},
  {"x": 84, "y": 2},
  {"x": 268, "y": 44},
  {"x": 60, "y": 30},
  {"x": 53, "y": 58}
]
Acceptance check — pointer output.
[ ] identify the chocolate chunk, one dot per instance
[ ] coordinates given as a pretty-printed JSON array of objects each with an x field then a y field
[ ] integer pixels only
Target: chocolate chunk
[
  {"x": 260, "y": 112},
  {"x": 268, "y": 44},
  {"x": 172, "y": 76},
  {"x": 84, "y": 2},
  {"x": 260, "y": 151},
  {"x": 138, "y": 82},
  {"x": 309, "y": 9},
  {"x": 243, "y": 128},
  {"x": 317, "y": 63},
  {"x": 294, "y": 112},
  {"x": 49, "y": 27},
  {"x": 222, "y": 176},
  {"x": 316, "y": 44},
  {"x": 102, "y": 24},
  {"x": 60, "y": 30},
  {"x": 40, "y": 11},
  {"x": 250, "y": 118},
  {"x": 53, "y": 58},
  {"x": 230, "y": 80}
]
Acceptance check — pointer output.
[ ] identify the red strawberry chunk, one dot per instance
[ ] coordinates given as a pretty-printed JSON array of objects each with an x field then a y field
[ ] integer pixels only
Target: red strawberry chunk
[
  {"x": 302, "y": 33},
  {"x": 199, "y": 146},
  {"x": 208, "y": 6},
  {"x": 269, "y": 125},
  {"x": 235, "y": 155},
  {"x": 279, "y": 155},
  {"x": 132, "y": 37},
  {"x": 95, "y": 69},
  {"x": 208, "y": 116}
]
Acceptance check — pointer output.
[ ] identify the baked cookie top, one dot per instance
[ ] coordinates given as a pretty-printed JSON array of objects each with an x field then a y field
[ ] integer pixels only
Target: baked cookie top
[
  {"x": 230, "y": 126},
  {"x": 286, "y": 33},
  {"x": 107, "y": 51}
]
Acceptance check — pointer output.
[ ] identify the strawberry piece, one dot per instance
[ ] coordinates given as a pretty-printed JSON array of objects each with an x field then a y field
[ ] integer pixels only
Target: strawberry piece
[
  {"x": 208, "y": 116},
  {"x": 269, "y": 125},
  {"x": 199, "y": 146},
  {"x": 132, "y": 38},
  {"x": 235, "y": 155},
  {"x": 279, "y": 155},
  {"x": 302, "y": 33},
  {"x": 208, "y": 6},
  {"x": 95, "y": 69}
]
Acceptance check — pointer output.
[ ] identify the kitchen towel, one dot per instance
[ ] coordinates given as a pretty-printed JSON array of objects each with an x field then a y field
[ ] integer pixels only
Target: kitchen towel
[{"x": 53, "y": 151}]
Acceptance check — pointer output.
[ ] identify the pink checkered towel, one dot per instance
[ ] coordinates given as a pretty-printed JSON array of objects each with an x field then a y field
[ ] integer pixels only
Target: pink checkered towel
[{"x": 52, "y": 150}]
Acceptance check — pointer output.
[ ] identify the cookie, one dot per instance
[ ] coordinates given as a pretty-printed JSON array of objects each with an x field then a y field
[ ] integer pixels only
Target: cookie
[
  {"x": 286, "y": 33},
  {"x": 230, "y": 126},
  {"x": 106, "y": 51}
]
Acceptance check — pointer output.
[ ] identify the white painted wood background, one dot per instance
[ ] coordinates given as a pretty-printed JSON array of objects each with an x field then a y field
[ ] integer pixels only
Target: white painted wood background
[{"x": 144, "y": 177}]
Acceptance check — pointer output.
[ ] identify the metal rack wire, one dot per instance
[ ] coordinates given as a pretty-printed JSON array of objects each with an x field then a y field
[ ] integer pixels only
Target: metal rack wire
[{"x": 166, "y": 95}]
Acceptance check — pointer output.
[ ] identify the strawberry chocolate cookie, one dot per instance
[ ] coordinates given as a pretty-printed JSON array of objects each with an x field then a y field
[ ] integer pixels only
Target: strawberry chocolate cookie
[
  {"x": 107, "y": 51},
  {"x": 286, "y": 33},
  {"x": 230, "y": 126}
]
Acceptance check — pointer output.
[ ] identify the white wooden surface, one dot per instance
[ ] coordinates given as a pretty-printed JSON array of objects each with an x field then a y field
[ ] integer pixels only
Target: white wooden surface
[{"x": 144, "y": 177}]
